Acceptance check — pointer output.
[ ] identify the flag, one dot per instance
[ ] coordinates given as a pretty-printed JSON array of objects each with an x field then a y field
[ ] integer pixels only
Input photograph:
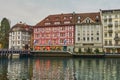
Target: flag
[
  {"x": 35, "y": 41},
  {"x": 65, "y": 41},
  {"x": 49, "y": 42}
]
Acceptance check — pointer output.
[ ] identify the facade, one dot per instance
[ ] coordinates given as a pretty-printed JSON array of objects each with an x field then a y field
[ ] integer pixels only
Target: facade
[
  {"x": 20, "y": 36},
  {"x": 88, "y": 33},
  {"x": 55, "y": 32},
  {"x": 111, "y": 30}
]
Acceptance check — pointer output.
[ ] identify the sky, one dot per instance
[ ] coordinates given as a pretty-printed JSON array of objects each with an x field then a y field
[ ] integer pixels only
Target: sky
[{"x": 33, "y": 11}]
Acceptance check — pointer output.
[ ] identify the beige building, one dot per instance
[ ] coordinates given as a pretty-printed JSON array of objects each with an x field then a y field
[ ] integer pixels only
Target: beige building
[
  {"x": 111, "y": 30},
  {"x": 20, "y": 36},
  {"x": 88, "y": 33}
]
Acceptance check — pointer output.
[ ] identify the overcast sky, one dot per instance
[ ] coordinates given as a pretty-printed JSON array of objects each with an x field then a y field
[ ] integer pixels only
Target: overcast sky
[{"x": 33, "y": 11}]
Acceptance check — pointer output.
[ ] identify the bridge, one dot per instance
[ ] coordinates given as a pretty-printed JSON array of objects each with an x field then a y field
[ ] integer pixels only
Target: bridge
[{"x": 7, "y": 52}]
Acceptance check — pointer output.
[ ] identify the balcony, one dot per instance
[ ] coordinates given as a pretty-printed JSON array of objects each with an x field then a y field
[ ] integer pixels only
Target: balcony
[
  {"x": 110, "y": 25},
  {"x": 110, "y": 30},
  {"x": 117, "y": 38},
  {"x": 117, "y": 45}
]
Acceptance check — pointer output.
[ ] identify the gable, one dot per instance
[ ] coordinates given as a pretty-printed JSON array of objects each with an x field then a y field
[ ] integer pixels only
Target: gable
[{"x": 87, "y": 20}]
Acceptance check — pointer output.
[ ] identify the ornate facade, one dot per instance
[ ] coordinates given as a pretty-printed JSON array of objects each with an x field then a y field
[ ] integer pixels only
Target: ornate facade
[
  {"x": 88, "y": 33},
  {"x": 55, "y": 32},
  {"x": 19, "y": 36},
  {"x": 111, "y": 30}
]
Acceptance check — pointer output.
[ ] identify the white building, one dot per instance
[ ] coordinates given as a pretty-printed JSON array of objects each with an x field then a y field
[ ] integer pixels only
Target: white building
[
  {"x": 19, "y": 36},
  {"x": 111, "y": 30},
  {"x": 88, "y": 32}
]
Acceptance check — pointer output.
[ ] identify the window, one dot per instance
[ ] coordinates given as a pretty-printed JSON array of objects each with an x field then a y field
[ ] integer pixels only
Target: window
[
  {"x": 48, "y": 23},
  {"x": 13, "y": 42},
  {"x": 57, "y": 18},
  {"x": 13, "y": 38},
  {"x": 88, "y": 20},
  {"x": 116, "y": 42},
  {"x": 105, "y": 20},
  {"x": 97, "y": 18},
  {"x": 87, "y": 38},
  {"x": 13, "y": 33},
  {"x": 18, "y": 37},
  {"x": 70, "y": 17},
  {"x": 66, "y": 22},
  {"x": 18, "y": 42},
  {"x": 97, "y": 38},
  {"x": 110, "y": 34},
  {"x": 56, "y": 22},
  {"x": 70, "y": 34},
  {"x": 91, "y": 38},
  {"x": 116, "y": 16},
  {"x": 105, "y": 34},
  {"x": 78, "y": 38},
  {"x": 78, "y": 21},
  {"x": 47, "y": 19},
  {"x": 110, "y": 42},
  {"x": 116, "y": 23},
  {"x": 78, "y": 34},
  {"x": 110, "y": 18},
  {"x": 63, "y": 28},
  {"x": 65, "y": 17},
  {"x": 97, "y": 33},
  {"x": 79, "y": 17},
  {"x": 105, "y": 42},
  {"x": 91, "y": 32},
  {"x": 84, "y": 38},
  {"x": 18, "y": 32},
  {"x": 61, "y": 41}
]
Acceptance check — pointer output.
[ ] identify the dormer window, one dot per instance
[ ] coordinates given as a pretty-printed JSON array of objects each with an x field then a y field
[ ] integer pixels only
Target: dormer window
[
  {"x": 47, "y": 23},
  {"x": 78, "y": 21},
  {"x": 66, "y": 22},
  {"x": 79, "y": 17},
  {"x": 56, "y": 23},
  {"x": 70, "y": 17},
  {"x": 88, "y": 20},
  {"x": 65, "y": 17},
  {"x": 57, "y": 18},
  {"x": 47, "y": 19},
  {"x": 97, "y": 18}
]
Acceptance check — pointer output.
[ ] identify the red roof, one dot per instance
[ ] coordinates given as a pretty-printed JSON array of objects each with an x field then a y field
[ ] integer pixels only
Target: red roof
[{"x": 71, "y": 18}]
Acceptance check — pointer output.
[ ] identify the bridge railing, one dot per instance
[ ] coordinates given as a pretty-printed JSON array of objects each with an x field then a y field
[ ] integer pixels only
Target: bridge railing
[{"x": 9, "y": 51}]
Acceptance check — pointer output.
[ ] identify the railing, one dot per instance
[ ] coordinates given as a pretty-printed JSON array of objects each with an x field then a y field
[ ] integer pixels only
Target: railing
[
  {"x": 6, "y": 51},
  {"x": 117, "y": 38}
]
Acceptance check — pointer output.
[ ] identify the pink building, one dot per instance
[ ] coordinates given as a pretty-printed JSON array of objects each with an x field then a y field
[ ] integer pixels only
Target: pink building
[{"x": 55, "y": 32}]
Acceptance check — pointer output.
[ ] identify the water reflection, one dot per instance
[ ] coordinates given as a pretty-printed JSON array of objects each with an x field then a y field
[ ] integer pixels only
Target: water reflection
[
  {"x": 52, "y": 69},
  {"x": 59, "y": 69},
  {"x": 97, "y": 69}
]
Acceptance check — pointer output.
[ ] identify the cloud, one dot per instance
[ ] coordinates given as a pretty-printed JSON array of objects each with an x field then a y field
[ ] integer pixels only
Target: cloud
[{"x": 33, "y": 11}]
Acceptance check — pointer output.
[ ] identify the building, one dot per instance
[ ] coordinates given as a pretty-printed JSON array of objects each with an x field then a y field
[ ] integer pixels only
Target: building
[
  {"x": 88, "y": 33},
  {"x": 20, "y": 36},
  {"x": 55, "y": 32},
  {"x": 111, "y": 30}
]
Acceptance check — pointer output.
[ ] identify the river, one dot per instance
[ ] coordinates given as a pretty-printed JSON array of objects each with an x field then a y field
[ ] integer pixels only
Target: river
[{"x": 59, "y": 68}]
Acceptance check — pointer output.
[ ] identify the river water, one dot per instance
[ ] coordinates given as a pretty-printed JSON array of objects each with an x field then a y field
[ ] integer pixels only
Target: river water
[{"x": 59, "y": 68}]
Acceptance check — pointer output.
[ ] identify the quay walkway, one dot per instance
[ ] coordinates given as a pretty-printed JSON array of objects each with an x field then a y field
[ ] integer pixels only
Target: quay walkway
[
  {"x": 8, "y": 52},
  {"x": 52, "y": 53}
]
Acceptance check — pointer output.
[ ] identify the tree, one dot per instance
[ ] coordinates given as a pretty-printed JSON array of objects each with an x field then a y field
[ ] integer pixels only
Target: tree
[
  {"x": 96, "y": 50},
  {"x": 4, "y": 32},
  {"x": 88, "y": 50},
  {"x": 79, "y": 50}
]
